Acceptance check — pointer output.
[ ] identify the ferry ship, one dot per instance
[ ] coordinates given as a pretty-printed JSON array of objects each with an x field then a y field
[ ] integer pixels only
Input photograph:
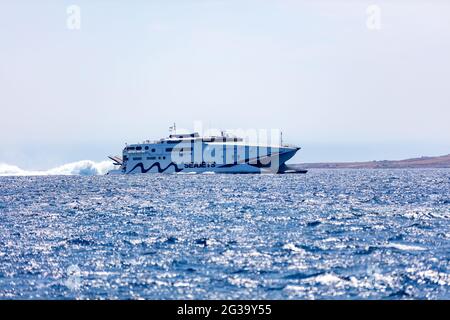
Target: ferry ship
[{"x": 192, "y": 153}]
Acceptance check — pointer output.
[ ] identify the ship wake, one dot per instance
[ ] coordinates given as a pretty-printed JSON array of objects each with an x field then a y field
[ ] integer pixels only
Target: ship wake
[{"x": 79, "y": 168}]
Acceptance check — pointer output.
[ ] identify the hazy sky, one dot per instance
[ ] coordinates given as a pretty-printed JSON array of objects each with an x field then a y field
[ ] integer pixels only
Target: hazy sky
[{"x": 314, "y": 69}]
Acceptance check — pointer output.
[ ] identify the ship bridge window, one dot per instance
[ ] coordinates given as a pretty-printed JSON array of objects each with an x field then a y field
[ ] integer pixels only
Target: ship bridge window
[
  {"x": 153, "y": 150},
  {"x": 137, "y": 158},
  {"x": 138, "y": 148},
  {"x": 146, "y": 147},
  {"x": 151, "y": 158},
  {"x": 130, "y": 148}
]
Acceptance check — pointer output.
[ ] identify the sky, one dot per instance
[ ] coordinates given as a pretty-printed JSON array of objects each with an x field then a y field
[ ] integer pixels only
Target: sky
[{"x": 347, "y": 80}]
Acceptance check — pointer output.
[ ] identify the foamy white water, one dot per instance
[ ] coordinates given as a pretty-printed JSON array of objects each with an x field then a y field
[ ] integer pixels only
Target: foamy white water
[{"x": 84, "y": 168}]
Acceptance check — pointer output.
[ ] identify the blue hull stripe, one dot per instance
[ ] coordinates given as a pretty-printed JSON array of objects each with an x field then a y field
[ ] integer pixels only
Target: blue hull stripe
[{"x": 156, "y": 164}]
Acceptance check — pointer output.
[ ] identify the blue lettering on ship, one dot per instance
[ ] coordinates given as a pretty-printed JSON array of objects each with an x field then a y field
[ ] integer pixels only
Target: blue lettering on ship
[{"x": 200, "y": 165}]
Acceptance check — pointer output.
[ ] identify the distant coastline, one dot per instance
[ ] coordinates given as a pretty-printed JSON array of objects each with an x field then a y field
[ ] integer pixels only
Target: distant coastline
[{"x": 422, "y": 162}]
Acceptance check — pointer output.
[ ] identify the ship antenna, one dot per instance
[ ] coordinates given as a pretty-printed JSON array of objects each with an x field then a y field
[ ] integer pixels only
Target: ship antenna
[
  {"x": 173, "y": 129},
  {"x": 281, "y": 138}
]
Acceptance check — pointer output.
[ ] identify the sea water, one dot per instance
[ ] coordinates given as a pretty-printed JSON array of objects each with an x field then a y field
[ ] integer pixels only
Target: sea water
[{"x": 329, "y": 234}]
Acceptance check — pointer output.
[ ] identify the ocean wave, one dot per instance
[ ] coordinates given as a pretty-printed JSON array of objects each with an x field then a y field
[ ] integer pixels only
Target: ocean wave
[
  {"x": 81, "y": 168},
  {"x": 405, "y": 247}
]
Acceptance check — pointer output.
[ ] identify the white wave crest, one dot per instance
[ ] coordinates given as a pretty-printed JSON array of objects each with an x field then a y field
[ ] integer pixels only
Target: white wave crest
[
  {"x": 82, "y": 168},
  {"x": 406, "y": 247}
]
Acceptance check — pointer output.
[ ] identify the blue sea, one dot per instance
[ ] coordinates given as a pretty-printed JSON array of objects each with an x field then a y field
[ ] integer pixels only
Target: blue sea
[{"x": 329, "y": 234}]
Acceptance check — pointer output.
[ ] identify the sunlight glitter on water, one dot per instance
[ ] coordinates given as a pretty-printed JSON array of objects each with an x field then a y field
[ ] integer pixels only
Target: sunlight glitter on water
[{"x": 327, "y": 234}]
